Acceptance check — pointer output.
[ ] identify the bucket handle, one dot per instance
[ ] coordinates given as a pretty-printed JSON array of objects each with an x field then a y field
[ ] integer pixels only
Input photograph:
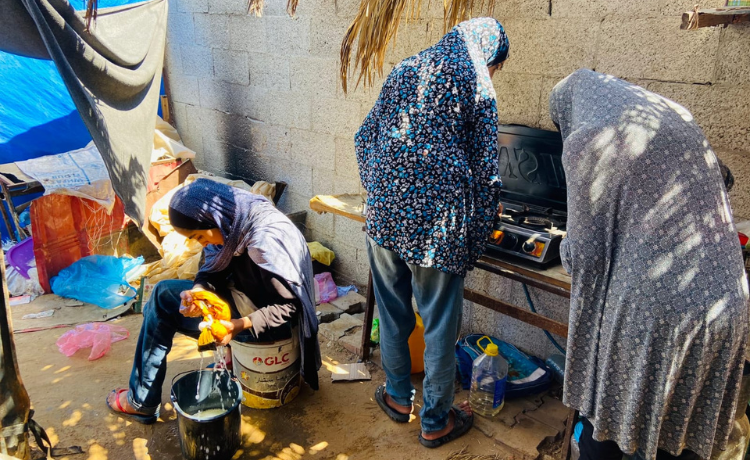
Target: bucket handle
[{"x": 232, "y": 378}]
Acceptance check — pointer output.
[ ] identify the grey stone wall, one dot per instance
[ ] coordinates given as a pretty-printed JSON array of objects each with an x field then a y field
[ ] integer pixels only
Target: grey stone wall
[{"x": 259, "y": 98}]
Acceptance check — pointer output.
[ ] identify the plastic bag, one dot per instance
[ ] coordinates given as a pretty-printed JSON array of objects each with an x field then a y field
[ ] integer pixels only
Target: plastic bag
[
  {"x": 325, "y": 288},
  {"x": 98, "y": 336},
  {"x": 100, "y": 280},
  {"x": 19, "y": 285}
]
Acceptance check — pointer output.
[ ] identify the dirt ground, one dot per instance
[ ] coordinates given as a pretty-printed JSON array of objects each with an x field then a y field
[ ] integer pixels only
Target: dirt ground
[{"x": 340, "y": 421}]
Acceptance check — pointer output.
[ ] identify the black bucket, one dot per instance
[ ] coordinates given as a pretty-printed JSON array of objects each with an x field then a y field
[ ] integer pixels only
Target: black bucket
[{"x": 207, "y": 437}]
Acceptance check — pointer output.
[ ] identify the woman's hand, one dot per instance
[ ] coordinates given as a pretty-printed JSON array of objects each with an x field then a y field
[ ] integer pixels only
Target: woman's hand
[
  {"x": 234, "y": 327},
  {"x": 187, "y": 308}
]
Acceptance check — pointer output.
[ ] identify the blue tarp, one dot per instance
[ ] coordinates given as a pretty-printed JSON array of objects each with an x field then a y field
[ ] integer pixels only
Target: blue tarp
[{"x": 37, "y": 114}]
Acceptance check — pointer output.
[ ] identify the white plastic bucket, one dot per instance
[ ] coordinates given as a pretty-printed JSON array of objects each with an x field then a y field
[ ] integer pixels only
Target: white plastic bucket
[{"x": 269, "y": 373}]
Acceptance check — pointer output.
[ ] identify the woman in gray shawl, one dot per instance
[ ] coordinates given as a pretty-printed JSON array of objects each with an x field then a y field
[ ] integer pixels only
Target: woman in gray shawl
[{"x": 658, "y": 311}]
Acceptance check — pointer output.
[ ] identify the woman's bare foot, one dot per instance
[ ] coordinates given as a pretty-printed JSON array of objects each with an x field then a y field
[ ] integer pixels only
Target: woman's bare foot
[
  {"x": 397, "y": 407},
  {"x": 464, "y": 406},
  {"x": 118, "y": 400}
]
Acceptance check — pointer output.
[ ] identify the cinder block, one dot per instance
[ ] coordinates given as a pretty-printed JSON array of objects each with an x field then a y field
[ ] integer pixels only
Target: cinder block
[
  {"x": 568, "y": 44},
  {"x": 173, "y": 58},
  {"x": 227, "y": 7},
  {"x": 290, "y": 37},
  {"x": 552, "y": 412},
  {"x": 222, "y": 95},
  {"x": 337, "y": 329},
  {"x": 279, "y": 142},
  {"x": 197, "y": 61},
  {"x": 257, "y": 102},
  {"x": 526, "y": 436},
  {"x": 347, "y": 10},
  {"x": 350, "y": 232},
  {"x": 721, "y": 110},
  {"x": 231, "y": 66},
  {"x": 323, "y": 182},
  {"x": 190, "y": 129},
  {"x": 350, "y": 303},
  {"x": 247, "y": 33},
  {"x": 597, "y": 10},
  {"x": 184, "y": 89},
  {"x": 192, "y": 6},
  {"x": 353, "y": 341},
  {"x": 511, "y": 9},
  {"x": 314, "y": 149},
  {"x": 275, "y": 8},
  {"x": 346, "y": 158},
  {"x": 327, "y": 313},
  {"x": 545, "y": 121},
  {"x": 258, "y": 137},
  {"x": 320, "y": 226},
  {"x": 739, "y": 196},
  {"x": 319, "y": 9},
  {"x": 211, "y": 29},
  {"x": 664, "y": 51},
  {"x": 179, "y": 116},
  {"x": 180, "y": 28},
  {"x": 326, "y": 36},
  {"x": 299, "y": 177},
  {"x": 734, "y": 59},
  {"x": 518, "y": 98},
  {"x": 346, "y": 183},
  {"x": 288, "y": 109},
  {"x": 335, "y": 116},
  {"x": 315, "y": 76},
  {"x": 269, "y": 71}
]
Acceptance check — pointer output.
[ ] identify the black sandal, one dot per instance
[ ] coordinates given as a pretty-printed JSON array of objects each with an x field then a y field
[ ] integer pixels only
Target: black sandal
[
  {"x": 462, "y": 423},
  {"x": 395, "y": 415}
]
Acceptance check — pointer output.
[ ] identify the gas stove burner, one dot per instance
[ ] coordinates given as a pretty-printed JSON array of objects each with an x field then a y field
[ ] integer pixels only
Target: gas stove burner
[
  {"x": 536, "y": 221},
  {"x": 531, "y": 218}
]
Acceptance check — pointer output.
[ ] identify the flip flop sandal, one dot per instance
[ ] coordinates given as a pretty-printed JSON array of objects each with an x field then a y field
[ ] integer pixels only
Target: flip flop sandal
[
  {"x": 462, "y": 423},
  {"x": 120, "y": 411},
  {"x": 395, "y": 415}
]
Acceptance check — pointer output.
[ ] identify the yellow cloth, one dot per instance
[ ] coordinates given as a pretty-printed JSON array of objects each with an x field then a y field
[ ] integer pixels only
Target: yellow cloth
[{"x": 321, "y": 253}]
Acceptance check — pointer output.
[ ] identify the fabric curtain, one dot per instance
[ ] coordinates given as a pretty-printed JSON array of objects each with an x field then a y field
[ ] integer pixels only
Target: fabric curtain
[{"x": 112, "y": 71}]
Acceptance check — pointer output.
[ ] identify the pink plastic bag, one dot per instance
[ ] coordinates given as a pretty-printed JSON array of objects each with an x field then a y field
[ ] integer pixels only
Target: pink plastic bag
[
  {"x": 98, "y": 336},
  {"x": 325, "y": 287}
]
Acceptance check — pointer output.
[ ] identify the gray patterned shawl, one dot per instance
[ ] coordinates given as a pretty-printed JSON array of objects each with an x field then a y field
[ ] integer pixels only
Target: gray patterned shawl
[{"x": 658, "y": 311}]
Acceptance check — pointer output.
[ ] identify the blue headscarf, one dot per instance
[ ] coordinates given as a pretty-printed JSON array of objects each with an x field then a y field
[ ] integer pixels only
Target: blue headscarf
[{"x": 488, "y": 45}]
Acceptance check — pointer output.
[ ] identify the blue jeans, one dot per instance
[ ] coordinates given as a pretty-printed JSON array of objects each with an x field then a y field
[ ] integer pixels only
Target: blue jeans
[
  {"x": 439, "y": 297},
  {"x": 161, "y": 321}
]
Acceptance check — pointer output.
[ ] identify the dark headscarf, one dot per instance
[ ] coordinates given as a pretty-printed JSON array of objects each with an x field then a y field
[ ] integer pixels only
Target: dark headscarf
[{"x": 249, "y": 222}]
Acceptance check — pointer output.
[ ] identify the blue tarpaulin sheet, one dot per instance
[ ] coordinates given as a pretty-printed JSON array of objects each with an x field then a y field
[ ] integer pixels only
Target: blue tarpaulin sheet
[{"x": 37, "y": 114}]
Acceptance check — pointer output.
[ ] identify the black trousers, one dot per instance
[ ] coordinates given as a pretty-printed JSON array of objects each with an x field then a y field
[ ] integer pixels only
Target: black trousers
[{"x": 592, "y": 449}]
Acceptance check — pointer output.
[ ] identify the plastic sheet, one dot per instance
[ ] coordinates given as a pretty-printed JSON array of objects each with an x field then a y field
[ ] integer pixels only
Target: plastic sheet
[
  {"x": 325, "y": 288},
  {"x": 97, "y": 336},
  {"x": 100, "y": 280}
]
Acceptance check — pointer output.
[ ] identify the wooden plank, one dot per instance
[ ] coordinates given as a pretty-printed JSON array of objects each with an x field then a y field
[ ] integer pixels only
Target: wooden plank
[
  {"x": 539, "y": 284},
  {"x": 520, "y": 314},
  {"x": 714, "y": 17},
  {"x": 346, "y": 205},
  {"x": 569, "y": 427},
  {"x": 555, "y": 275}
]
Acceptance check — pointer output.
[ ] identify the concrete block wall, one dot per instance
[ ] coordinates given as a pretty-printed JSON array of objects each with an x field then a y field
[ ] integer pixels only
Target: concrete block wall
[{"x": 259, "y": 98}]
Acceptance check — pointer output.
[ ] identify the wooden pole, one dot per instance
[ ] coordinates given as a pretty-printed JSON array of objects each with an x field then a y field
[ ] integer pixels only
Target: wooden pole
[{"x": 14, "y": 400}]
